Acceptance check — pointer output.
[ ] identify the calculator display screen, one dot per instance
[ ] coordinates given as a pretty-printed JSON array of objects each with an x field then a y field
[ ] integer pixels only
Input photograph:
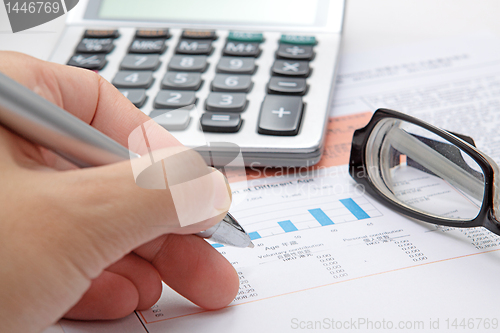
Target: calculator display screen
[{"x": 239, "y": 12}]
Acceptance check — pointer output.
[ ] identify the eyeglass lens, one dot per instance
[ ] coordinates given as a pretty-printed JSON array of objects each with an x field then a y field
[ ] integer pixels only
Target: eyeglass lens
[{"x": 421, "y": 170}]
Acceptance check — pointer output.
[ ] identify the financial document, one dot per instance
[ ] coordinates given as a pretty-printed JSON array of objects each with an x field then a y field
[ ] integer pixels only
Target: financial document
[{"x": 329, "y": 257}]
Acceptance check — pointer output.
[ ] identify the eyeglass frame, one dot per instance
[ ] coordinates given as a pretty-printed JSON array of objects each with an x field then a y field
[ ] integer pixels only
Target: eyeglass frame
[{"x": 359, "y": 172}]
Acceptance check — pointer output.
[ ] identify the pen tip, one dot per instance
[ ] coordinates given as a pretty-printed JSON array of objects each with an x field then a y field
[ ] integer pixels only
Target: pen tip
[{"x": 251, "y": 245}]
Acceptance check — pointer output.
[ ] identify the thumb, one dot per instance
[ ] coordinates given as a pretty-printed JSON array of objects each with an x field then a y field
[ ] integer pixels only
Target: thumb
[{"x": 112, "y": 210}]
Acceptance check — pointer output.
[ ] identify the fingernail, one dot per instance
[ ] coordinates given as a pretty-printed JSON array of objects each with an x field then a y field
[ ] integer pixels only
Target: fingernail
[{"x": 222, "y": 191}]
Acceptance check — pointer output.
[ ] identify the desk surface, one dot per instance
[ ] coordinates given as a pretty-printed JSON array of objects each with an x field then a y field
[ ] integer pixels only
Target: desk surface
[{"x": 368, "y": 24}]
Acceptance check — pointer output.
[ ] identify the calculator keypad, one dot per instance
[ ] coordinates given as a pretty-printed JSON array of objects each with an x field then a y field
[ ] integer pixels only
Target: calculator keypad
[{"x": 282, "y": 107}]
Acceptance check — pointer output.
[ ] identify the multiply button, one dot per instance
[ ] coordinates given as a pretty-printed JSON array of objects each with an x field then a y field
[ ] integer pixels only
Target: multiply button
[
  {"x": 220, "y": 122},
  {"x": 242, "y": 49},
  {"x": 194, "y": 46},
  {"x": 147, "y": 46},
  {"x": 291, "y": 68},
  {"x": 280, "y": 115},
  {"x": 295, "y": 52}
]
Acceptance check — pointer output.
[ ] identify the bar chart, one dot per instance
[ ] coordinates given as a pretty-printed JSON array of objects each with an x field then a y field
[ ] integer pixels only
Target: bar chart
[{"x": 314, "y": 212}]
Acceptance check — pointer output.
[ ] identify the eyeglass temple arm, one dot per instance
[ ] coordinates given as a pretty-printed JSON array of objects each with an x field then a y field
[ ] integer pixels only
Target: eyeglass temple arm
[{"x": 435, "y": 162}]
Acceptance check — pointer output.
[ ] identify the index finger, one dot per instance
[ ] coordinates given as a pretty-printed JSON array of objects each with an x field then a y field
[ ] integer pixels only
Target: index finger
[{"x": 85, "y": 94}]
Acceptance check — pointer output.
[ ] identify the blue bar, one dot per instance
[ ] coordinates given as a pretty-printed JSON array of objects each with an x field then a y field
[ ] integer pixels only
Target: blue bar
[
  {"x": 321, "y": 217},
  {"x": 216, "y": 245},
  {"x": 254, "y": 235},
  {"x": 287, "y": 226},
  {"x": 353, "y": 207}
]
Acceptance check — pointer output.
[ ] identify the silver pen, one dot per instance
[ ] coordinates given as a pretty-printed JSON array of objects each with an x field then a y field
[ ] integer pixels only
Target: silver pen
[{"x": 41, "y": 122}]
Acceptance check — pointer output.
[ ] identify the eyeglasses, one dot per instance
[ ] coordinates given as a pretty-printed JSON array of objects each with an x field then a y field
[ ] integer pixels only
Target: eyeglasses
[{"x": 425, "y": 172}]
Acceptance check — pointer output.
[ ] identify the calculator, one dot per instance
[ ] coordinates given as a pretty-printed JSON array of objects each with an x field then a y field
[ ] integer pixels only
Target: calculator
[{"x": 256, "y": 74}]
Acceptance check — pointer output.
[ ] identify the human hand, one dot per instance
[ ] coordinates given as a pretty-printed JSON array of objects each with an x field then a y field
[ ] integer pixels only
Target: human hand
[{"x": 90, "y": 243}]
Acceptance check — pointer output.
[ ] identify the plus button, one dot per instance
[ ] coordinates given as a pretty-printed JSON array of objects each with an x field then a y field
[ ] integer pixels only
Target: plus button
[{"x": 281, "y": 112}]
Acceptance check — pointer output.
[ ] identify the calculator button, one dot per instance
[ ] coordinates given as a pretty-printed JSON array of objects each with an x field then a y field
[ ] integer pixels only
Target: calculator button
[
  {"x": 140, "y": 45},
  {"x": 297, "y": 39},
  {"x": 242, "y": 49},
  {"x": 130, "y": 79},
  {"x": 152, "y": 33},
  {"x": 295, "y": 52},
  {"x": 181, "y": 81},
  {"x": 236, "y": 65},
  {"x": 194, "y": 46},
  {"x": 95, "y": 45},
  {"x": 172, "y": 99},
  {"x": 175, "y": 120},
  {"x": 95, "y": 33},
  {"x": 136, "y": 96},
  {"x": 88, "y": 61},
  {"x": 199, "y": 34},
  {"x": 241, "y": 36},
  {"x": 220, "y": 122},
  {"x": 284, "y": 85},
  {"x": 140, "y": 62},
  {"x": 234, "y": 83},
  {"x": 280, "y": 115},
  {"x": 291, "y": 68},
  {"x": 226, "y": 102},
  {"x": 196, "y": 63}
]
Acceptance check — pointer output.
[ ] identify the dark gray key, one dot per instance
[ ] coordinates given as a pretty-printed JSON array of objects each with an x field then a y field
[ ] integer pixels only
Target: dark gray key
[
  {"x": 291, "y": 68},
  {"x": 181, "y": 81},
  {"x": 136, "y": 96},
  {"x": 233, "y": 83},
  {"x": 220, "y": 122},
  {"x": 140, "y": 62},
  {"x": 236, "y": 65},
  {"x": 173, "y": 99},
  {"x": 131, "y": 79},
  {"x": 98, "y": 33},
  {"x": 217, "y": 101},
  {"x": 152, "y": 33},
  {"x": 287, "y": 85},
  {"x": 175, "y": 120},
  {"x": 194, "y": 46},
  {"x": 95, "y": 45},
  {"x": 147, "y": 45},
  {"x": 242, "y": 49},
  {"x": 280, "y": 115},
  {"x": 188, "y": 63},
  {"x": 289, "y": 51},
  {"x": 88, "y": 61}
]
